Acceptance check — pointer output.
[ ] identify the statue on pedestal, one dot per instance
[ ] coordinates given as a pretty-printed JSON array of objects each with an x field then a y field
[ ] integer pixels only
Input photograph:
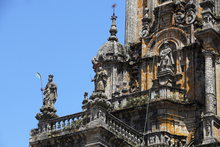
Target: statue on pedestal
[
  {"x": 50, "y": 92},
  {"x": 100, "y": 80},
  {"x": 167, "y": 61},
  {"x": 49, "y": 98}
]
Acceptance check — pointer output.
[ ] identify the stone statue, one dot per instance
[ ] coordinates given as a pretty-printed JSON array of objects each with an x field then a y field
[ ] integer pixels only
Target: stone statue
[
  {"x": 100, "y": 80},
  {"x": 167, "y": 61},
  {"x": 50, "y": 92}
]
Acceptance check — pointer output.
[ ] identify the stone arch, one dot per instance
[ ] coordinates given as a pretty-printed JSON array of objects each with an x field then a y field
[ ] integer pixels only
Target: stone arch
[{"x": 173, "y": 34}]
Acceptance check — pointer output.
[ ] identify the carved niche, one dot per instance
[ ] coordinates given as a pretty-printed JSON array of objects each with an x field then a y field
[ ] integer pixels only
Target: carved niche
[{"x": 166, "y": 68}]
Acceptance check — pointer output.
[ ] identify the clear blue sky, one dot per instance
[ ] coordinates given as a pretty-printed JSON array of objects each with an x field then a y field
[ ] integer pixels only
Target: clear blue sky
[{"x": 48, "y": 36}]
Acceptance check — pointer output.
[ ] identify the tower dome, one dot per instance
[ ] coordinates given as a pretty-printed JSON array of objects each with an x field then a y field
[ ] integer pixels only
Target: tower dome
[{"x": 112, "y": 50}]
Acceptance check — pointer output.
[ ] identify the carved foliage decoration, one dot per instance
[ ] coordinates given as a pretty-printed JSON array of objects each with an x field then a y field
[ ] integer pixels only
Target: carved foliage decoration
[{"x": 185, "y": 13}]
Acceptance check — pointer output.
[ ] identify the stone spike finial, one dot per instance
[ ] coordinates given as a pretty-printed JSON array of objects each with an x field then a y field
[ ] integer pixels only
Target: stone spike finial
[{"x": 113, "y": 30}]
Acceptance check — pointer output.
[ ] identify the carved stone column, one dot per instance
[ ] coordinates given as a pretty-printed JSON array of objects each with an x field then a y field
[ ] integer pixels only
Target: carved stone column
[
  {"x": 210, "y": 97},
  {"x": 131, "y": 21}
]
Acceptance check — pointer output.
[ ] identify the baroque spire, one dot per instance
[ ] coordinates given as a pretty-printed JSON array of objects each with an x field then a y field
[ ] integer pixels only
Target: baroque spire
[{"x": 113, "y": 30}]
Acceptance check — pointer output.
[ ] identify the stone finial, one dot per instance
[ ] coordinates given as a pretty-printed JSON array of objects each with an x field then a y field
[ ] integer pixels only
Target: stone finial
[
  {"x": 113, "y": 30},
  {"x": 85, "y": 100}
]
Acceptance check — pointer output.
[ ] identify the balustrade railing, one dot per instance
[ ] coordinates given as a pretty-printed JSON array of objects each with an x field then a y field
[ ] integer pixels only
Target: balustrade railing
[
  {"x": 73, "y": 121},
  {"x": 120, "y": 129}
]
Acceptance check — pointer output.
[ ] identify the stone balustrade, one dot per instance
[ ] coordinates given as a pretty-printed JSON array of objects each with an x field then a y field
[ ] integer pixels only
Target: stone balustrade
[
  {"x": 122, "y": 130},
  {"x": 73, "y": 121}
]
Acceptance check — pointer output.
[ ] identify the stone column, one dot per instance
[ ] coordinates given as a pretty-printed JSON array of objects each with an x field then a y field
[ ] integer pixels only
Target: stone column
[
  {"x": 217, "y": 75},
  {"x": 210, "y": 96},
  {"x": 131, "y": 21}
]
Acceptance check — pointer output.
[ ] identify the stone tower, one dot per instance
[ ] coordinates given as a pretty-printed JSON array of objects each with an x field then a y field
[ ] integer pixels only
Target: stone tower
[{"x": 160, "y": 89}]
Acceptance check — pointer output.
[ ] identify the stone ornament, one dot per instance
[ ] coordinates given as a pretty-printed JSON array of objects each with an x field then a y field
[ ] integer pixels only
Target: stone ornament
[
  {"x": 146, "y": 24},
  {"x": 190, "y": 12},
  {"x": 179, "y": 15},
  {"x": 185, "y": 13},
  {"x": 208, "y": 128}
]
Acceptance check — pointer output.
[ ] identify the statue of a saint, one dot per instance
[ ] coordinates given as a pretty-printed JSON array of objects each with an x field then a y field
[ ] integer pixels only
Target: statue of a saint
[
  {"x": 167, "y": 61},
  {"x": 100, "y": 80},
  {"x": 50, "y": 92}
]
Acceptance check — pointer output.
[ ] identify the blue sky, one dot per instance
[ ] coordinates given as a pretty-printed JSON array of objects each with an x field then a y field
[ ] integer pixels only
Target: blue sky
[{"x": 48, "y": 36}]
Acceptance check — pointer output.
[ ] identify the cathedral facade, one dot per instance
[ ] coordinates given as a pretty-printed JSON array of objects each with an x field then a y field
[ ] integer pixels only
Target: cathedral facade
[{"x": 160, "y": 89}]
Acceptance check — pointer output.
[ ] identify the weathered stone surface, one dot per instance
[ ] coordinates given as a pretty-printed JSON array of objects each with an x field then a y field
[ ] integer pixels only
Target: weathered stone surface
[{"x": 161, "y": 89}]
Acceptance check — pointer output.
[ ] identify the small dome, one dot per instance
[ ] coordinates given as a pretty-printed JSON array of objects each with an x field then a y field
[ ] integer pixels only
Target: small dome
[{"x": 111, "y": 50}]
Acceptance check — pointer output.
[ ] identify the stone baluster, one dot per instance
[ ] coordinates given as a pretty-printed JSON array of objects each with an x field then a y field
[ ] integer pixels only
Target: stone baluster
[
  {"x": 58, "y": 126},
  {"x": 54, "y": 127},
  {"x": 68, "y": 123},
  {"x": 63, "y": 124},
  {"x": 48, "y": 128},
  {"x": 44, "y": 128},
  {"x": 210, "y": 96},
  {"x": 73, "y": 123}
]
